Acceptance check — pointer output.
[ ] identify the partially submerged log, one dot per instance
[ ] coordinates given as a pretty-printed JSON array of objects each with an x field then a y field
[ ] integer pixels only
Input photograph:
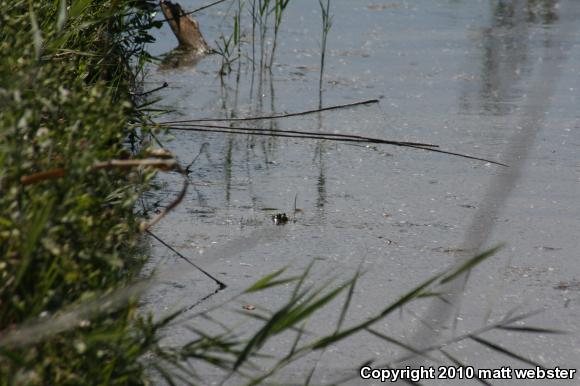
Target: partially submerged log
[{"x": 185, "y": 28}]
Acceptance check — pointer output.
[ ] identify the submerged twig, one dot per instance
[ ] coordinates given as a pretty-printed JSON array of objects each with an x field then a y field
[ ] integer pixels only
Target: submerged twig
[
  {"x": 201, "y": 150},
  {"x": 221, "y": 284}
]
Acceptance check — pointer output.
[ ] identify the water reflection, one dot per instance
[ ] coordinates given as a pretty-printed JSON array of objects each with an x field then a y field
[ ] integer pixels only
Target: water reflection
[
  {"x": 251, "y": 172},
  {"x": 180, "y": 59},
  {"x": 542, "y": 11},
  {"x": 504, "y": 55},
  {"x": 240, "y": 151},
  {"x": 507, "y": 61},
  {"x": 319, "y": 151},
  {"x": 238, "y": 157}
]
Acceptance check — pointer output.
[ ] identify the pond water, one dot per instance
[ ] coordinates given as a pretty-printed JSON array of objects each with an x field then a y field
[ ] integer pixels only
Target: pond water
[{"x": 494, "y": 79}]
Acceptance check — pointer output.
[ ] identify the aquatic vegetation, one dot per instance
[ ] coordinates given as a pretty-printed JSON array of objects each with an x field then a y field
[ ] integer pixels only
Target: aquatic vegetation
[
  {"x": 69, "y": 77},
  {"x": 326, "y": 25},
  {"x": 264, "y": 33},
  {"x": 75, "y": 154},
  {"x": 279, "y": 7}
]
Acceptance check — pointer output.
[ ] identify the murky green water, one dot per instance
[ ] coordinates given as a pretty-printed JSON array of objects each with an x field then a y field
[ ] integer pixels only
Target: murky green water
[{"x": 471, "y": 76}]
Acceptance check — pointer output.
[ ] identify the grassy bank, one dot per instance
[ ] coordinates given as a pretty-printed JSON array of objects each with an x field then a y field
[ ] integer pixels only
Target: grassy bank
[
  {"x": 70, "y": 175},
  {"x": 68, "y": 232}
]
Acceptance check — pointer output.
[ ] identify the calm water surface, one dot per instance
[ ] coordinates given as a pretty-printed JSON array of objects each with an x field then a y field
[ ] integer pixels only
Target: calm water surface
[{"x": 495, "y": 79}]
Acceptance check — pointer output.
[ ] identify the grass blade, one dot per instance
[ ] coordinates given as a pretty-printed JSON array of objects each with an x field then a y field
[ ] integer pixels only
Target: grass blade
[
  {"x": 469, "y": 264},
  {"x": 36, "y": 34},
  {"x": 78, "y": 7},
  {"x": 533, "y": 330},
  {"x": 505, "y": 351},
  {"x": 61, "y": 19},
  {"x": 347, "y": 300},
  {"x": 265, "y": 282},
  {"x": 398, "y": 343},
  {"x": 414, "y": 293}
]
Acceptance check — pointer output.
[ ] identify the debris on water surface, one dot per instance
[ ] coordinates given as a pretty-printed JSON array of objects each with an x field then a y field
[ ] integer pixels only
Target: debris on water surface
[
  {"x": 249, "y": 307},
  {"x": 568, "y": 286},
  {"x": 280, "y": 218}
]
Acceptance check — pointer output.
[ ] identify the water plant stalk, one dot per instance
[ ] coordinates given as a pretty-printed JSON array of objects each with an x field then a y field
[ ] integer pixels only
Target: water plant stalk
[{"x": 326, "y": 25}]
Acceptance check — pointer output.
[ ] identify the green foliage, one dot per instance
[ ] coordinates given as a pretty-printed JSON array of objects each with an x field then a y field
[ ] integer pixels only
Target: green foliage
[
  {"x": 67, "y": 71},
  {"x": 69, "y": 235},
  {"x": 229, "y": 45}
]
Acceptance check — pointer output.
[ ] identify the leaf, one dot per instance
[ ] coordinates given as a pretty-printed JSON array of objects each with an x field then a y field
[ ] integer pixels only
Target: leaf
[
  {"x": 78, "y": 7},
  {"x": 35, "y": 227},
  {"x": 302, "y": 312},
  {"x": 348, "y": 299},
  {"x": 36, "y": 33},
  {"x": 265, "y": 331},
  {"x": 61, "y": 19},
  {"x": 302, "y": 278},
  {"x": 296, "y": 341},
  {"x": 293, "y": 312},
  {"x": 265, "y": 282},
  {"x": 398, "y": 343},
  {"x": 469, "y": 264},
  {"x": 505, "y": 351},
  {"x": 414, "y": 293},
  {"x": 534, "y": 330}
]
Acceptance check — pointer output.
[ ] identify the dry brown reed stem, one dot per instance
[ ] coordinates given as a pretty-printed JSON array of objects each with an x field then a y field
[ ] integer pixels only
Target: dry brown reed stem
[
  {"x": 194, "y": 125},
  {"x": 128, "y": 164},
  {"x": 277, "y": 116},
  {"x": 328, "y": 137},
  {"x": 146, "y": 226},
  {"x": 161, "y": 164},
  {"x": 220, "y": 283},
  {"x": 54, "y": 174},
  {"x": 304, "y": 134}
]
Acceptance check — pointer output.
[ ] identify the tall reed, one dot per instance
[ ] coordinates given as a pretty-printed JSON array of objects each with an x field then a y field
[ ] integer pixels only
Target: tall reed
[
  {"x": 279, "y": 8},
  {"x": 326, "y": 25}
]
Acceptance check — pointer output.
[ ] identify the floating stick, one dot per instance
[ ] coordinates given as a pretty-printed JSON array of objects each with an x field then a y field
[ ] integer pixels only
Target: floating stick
[{"x": 277, "y": 116}]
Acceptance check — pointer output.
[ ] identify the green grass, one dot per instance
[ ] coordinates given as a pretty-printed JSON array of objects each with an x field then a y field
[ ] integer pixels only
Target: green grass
[
  {"x": 266, "y": 19},
  {"x": 70, "y": 238},
  {"x": 67, "y": 73}
]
